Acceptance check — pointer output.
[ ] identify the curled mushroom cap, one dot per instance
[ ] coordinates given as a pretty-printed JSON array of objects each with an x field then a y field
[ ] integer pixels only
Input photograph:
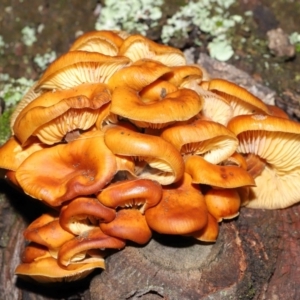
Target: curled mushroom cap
[
  {"x": 213, "y": 141},
  {"x": 137, "y": 47},
  {"x": 13, "y": 154},
  {"x": 180, "y": 105},
  {"x": 62, "y": 172},
  {"x": 129, "y": 224},
  {"x": 203, "y": 172},
  {"x": 138, "y": 75},
  {"x": 138, "y": 193},
  {"x": 76, "y": 216},
  {"x": 163, "y": 162},
  {"x": 77, "y": 67},
  {"x": 182, "y": 209},
  {"x": 271, "y": 147},
  {"x": 223, "y": 203},
  {"x": 76, "y": 250},
  {"x": 242, "y": 101},
  {"x": 53, "y": 114},
  {"x": 49, "y": 270}
]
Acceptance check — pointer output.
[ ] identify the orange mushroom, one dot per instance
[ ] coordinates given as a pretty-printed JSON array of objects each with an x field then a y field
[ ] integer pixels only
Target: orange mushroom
[
  {"x": 83, "y": 214},
  {"x": 182, "y": 209},
  {"x": 63, "y": 172},
  {"x": 139, "y": 193},
  {"x": 163, "y": 162}
]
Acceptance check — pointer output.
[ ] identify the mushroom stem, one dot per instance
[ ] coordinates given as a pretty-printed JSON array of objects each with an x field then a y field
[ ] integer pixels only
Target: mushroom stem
[{"x": 255, "y": 165}]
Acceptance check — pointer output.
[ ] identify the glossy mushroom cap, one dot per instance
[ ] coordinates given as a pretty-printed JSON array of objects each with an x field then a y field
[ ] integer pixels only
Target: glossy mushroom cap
[
  {"x": 272, "y": 143},
  {"x": 182, "y": 209},
  {"x": 163, "y": 162},
  {"x": 72, "y": 174}
]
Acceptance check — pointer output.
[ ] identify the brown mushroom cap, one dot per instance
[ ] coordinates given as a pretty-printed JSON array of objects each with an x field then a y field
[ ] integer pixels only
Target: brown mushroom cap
[
  {"x": 62, "y": 172},
  {"x": 203, "y": 172},
  {"x": 138, "y": 193},
  {"x": 182, "y": 209},
  {"x": 180, "y": 105},
  {"x": 75, "y": 216},
  {"x": 76, "y": 249},
  {"x": 137, "y": 47},
  {"x": 242, "y": 101},
  {"x": 274, "y": 143},
  {"x": 210, "y": 232},
  {"x": 129, "y": 224},
  {"x": 138, "y": 75},
  {"x": 48, "y": 270},
  {"x": 34, "y": 251},
  {"x": 223, "y": 203},
  {"x": 213, "y": 141},
  {"x": 47, "y": 233},
  {"x": 77, "y": 67},
  {"x": 53, "y": 114},
  {"x": 164, "y": 162}
]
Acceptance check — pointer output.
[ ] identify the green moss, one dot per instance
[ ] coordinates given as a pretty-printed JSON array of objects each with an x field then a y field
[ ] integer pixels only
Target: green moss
[{"x": 4, "y": 126}]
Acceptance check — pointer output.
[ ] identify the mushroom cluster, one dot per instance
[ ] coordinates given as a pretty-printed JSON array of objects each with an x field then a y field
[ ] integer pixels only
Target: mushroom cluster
[{"x": 122, "y": 138}]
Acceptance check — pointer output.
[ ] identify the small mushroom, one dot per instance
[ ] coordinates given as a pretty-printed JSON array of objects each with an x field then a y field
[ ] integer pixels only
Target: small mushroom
[{"x": 138, "y": 193}]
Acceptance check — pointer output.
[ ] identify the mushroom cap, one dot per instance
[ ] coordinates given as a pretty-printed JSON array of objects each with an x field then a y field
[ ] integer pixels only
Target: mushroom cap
[
  {"x": 13, "y": 154},
  {"x": 164, "y": 162},
  {"x": 180, "y": 105},
  {"x": 75, "y": 250},
  {"x": 179, "y": 75},
  {"x": 77, "y": 67},
  {"x": 137, "y": 47},
  {"x": 71, "y": 173},
  {"x": 53, "y": 114},
  {"x": 138, "y": 75},
  {"x": 223, "y": 203},
  {"x": 182, "y": 209},
  {"x": 210, "y": 232},
  {"x": 129, "y": 224},
  {"x": 48, "y": 270},
  {"x": 75, "y": 216},
  {"x": 275, "y": 143},
  {"x": 49, "y": 234},
  {"x": 34, "y": 251},
  {"x": 242, "y": 101},
  {"x": 137, "y": 193},
  {"x": 103, "y": 41},
  {"x": 215, "y": 107},
  {"x": 203, "y": 172},
  {"x": 213, "y": 141},
  {"x": 157, "y": 91}
]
